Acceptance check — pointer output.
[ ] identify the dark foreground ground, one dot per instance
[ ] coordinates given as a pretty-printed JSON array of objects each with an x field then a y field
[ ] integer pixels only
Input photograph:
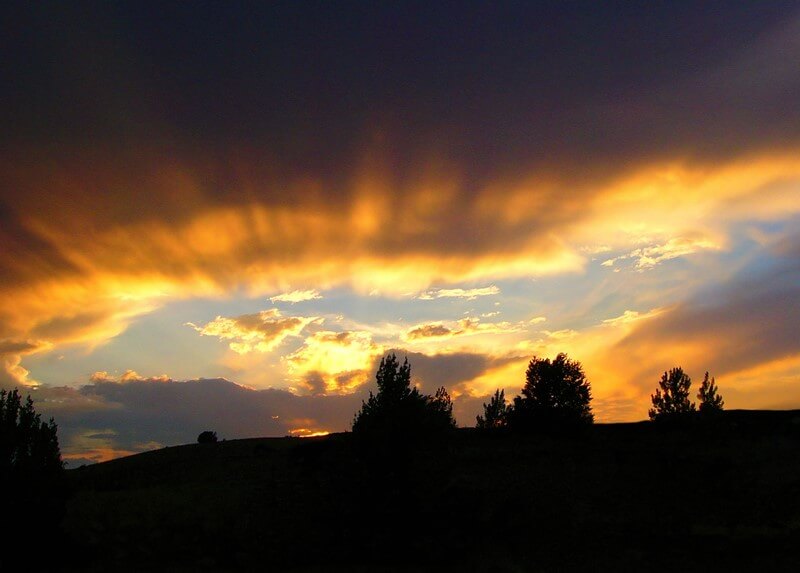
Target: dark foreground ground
[{"x": 620, "y": 497}]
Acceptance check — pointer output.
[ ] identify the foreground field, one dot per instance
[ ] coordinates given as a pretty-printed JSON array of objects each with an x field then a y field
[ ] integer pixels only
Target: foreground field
[{"x": 618, "y": 497}]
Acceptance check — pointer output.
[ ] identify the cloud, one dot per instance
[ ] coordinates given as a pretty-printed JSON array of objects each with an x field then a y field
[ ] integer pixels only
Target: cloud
[
  {"x": 127, "y": 376},
  {"x": 259, "y": 332},
  {"x": 296, "y": 296},
  {"x": 107, "y": 419},
  {"x": 333, "y": 362},
  {"x": 463, "y": 327},
  {"x": 562, "y": 334},
  {"x": 429, "y": 331},
  {"x": 117, "y": 201},
  {"x": 453, "y": 370},
  {"x": 745, "y": 324},
  {"x": 12, "y": 374},
  {"x": 648, "y": 257},
  {"x": 631, "y": 316},
  {"x": 469, "y": 294}
]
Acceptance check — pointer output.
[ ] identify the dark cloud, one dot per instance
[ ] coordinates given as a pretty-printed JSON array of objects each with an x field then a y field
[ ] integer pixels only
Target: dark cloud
[
  {"x": 429, "y": 331},
  {"x": 222, "y": 144},
  {"x": 18, "y": 346},
  {"x": 278, "y": 102},
  {"x": 133, "y": 415},
  {"x": 314, "y": 383},
  {"x": 109, "y": 418},
  {"x": 297, "y": 77}
]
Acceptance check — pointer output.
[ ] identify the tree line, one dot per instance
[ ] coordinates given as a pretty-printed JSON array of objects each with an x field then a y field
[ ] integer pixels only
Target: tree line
[{"x": 556, "y": 395}]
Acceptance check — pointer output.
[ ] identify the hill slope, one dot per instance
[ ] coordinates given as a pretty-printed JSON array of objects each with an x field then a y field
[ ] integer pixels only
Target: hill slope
[{"x": 619, "y": 497}]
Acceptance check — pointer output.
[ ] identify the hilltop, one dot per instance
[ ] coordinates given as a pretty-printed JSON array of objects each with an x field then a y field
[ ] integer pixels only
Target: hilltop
[{"x": 616, "y": 497}]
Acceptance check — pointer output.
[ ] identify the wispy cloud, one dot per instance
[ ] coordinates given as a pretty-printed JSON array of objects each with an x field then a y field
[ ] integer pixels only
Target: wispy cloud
[
  {"x": 296, "y": 296},
  {"x": 563, "y": 334},
  {"x": 469, "y": 294},
  {"x": 630, "y": 316},
  {"x": 645, "y": 258}
]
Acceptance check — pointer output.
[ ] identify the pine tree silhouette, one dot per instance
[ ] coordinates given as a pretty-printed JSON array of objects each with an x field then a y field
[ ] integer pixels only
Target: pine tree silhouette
[
  {"x": 709, "y": 399},
  {"x": 495, "y": 413},
  {"x": 671, "y": 399}
]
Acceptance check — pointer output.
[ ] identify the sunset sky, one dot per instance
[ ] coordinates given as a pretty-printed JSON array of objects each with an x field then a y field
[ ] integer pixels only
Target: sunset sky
[{"x": 221, "y": 215}]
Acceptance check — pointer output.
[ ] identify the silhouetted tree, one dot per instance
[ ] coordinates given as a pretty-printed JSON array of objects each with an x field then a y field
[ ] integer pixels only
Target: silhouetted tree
[
  {"x": 495, "y": 413},
  {"x": 398, "y": 407},
  {"x": 709, "y": 400},
  {"x": 671, "y": 400},
  {"x": 556, "y": 394},
  {"x": 207, "y": 437},
  {"x": 440, "y": 409},
  {"x": 31, "y": 476},
  {"x": 27, "y": 445}
]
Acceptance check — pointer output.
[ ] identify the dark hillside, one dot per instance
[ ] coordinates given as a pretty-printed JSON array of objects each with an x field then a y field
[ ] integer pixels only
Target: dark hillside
[{"x": 711, "y": 497}]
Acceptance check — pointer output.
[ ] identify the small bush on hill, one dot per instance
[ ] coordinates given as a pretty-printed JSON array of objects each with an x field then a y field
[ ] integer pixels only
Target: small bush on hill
[{"x": 207, "y": 437}]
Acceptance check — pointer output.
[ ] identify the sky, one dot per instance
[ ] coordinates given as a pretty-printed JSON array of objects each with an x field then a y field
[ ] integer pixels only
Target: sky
[{"x": 221, "y": 215}]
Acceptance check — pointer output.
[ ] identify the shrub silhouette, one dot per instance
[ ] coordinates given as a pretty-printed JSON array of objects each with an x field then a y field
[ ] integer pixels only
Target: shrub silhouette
[
  {"x": 400, "y": 409},
  {"x": 556, "y": 394},
  {"x": 671, "y": 399},
  {"x": 710, "y": 401},
  {"x": 207, "y": 437},
  {"x": 495, "y": 413}
]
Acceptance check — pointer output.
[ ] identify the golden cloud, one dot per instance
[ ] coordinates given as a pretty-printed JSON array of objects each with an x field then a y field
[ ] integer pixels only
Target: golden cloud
[
  {"x": 429, "y": 331},
  {"x": 84, "y": 264},
  {"x": 260, "y": 332},
  {"x": 469, "y": 294},
  {"x": 127, "y": 376},
  {"x": 650, "y": 256},
  {"x": 463, "y": 327},
  {"x": 297, "y": 296},
  {"x": 333, "y": 362},
  {"x": 11, "y": 352}
]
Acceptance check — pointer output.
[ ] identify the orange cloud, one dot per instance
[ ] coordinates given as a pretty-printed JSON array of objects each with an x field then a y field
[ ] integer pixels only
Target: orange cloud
[
  {"x": 127, "y": 376},
  {"x": 260, "y": 332},
  {"x": 11, "y": 352},
  {"x": 333, "y": 362},
  {"x": 429, "y": 331},
  {"x": 83, "y": 267},
  {"x": 463, "y": 327}
]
